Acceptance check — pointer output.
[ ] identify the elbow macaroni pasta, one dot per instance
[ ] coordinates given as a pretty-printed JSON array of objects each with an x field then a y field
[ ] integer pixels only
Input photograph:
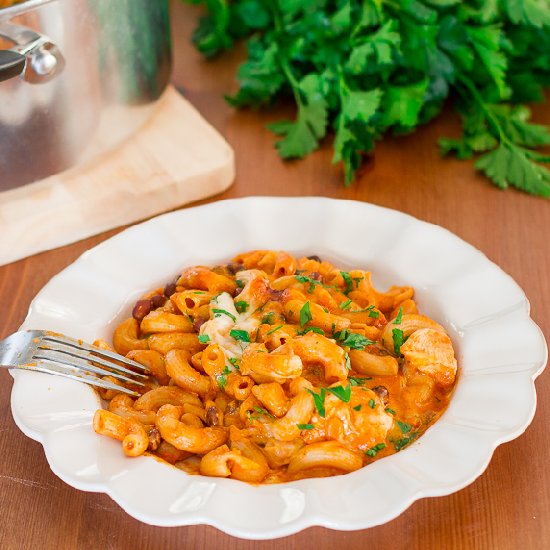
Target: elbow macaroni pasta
[{"x": 273, "y": 368}]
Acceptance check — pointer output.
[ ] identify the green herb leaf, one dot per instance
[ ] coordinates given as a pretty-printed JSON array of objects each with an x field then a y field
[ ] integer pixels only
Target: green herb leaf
[
  {"x": 352, "y": 340},
  {"x": 241, "y": 306},
  {"x": 305, "y": 314},
  {"x": 312, "y": 282},
  {"x": 398, "y": 340},
  {"x": 302, "y": 136},
  {"x": 347, "y": 281},
  {"x": 305, "y": 426},
  {"x": 319, "y": 401},
  {"x": 221, "y": 380},
  {"x": 259, "y": 410},
  {"x": 274, "y": 330},
  {"x": 365, "y": 69},
  {"x": 218, "y": 312},
  {"x": 512, "y": 165},
  {"x": 356, "y": 381},
  {"x": 399, "y": 317},
  {"x": 268, "y": 318},
  {"x": 404, "y": 427},
  {"x": 390, "y": 411},
  {"x": 204, "y": 338},
  {"x": 239, "y": 335},
  {"x": 404, "y": 441},
  {"x": 373, "y": 451},
  {"x": 317, "y": 330},
  {"x": 346, "y": 304},
  {"x": 348, "y": 362},
  {"x": 372, "y": 403},
  {"x": 358, "y": 407},
  {"x": 344, "y": 394},
  {"x": 234, "y": 361}
]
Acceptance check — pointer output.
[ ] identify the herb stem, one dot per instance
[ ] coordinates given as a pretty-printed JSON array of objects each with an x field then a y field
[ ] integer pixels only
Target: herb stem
[{"x": 488, "y": 115}]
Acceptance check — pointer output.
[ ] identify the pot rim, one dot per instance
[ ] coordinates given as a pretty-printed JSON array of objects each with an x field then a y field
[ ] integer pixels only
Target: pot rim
[{"x": 22, "y": 7}]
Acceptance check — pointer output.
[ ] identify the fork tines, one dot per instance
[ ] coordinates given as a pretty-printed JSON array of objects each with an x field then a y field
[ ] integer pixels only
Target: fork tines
[{"x": 85, "y": 359}]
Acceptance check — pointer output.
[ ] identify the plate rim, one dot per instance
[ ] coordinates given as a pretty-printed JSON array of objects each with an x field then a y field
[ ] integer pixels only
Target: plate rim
[{"x": 306, "y": 520}]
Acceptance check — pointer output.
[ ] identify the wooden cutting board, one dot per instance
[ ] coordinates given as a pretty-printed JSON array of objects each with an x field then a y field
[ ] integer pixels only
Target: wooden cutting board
[{"x": 174, "y": 159}]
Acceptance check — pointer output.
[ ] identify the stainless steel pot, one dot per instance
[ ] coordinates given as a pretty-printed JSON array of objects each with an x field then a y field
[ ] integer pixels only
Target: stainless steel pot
[{"x": 76, "y": 78}]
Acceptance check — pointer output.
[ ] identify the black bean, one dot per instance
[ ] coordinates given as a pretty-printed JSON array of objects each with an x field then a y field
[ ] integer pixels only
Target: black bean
[
  {"x": 276, "y": 295},
  {"x": 169, "y": 289},
  {"x": 382, "y": 392},
  {"x": 233, "y": 268},
  {"x": 141, "y": 309},
  {"x": 157, "y": 301},
  {"x": 153, "y": 435},
  {"x": 199, "y": 321},
  {"x": 212, "y": 416}
]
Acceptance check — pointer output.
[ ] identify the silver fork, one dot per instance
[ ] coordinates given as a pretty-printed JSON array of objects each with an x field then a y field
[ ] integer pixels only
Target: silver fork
[{"x": 54, "y": 353}]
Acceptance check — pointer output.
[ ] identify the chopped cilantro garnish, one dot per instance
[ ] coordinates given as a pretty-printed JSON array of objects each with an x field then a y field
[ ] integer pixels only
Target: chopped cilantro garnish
[
  {"x": 219, "y": 312},
  {"x": 204, "y": 338},
  {"x": 199, "y": 292},
  {"x": 398, "y": 340},
  {"x": 239, "y": 283},
  {"x": 267, "y": 319},
  {"x": 347, "y": 280},
  {"x": 259, "y": 410},
  {"x": 355, "y": 381},
  {"x": 241, "y": 306},
  {"x": 305, "y": 426},
  {"x": 319, "y": 400},
  {"x": 372, "y": 403},
  {"x": 222, "y": 378},
  {"x": 373, "y": 451},
  {"x": 240, "y": 335},
  {"x": 357, "y": 280},
  {"x": 399, "y": 317},
  {"x": 372, "y": 312},
  {"x": 234, "y": 362},
  {"x": 305, "y": 314},
  {"x": 348, "y": 363},
  {"x": 310, "y": 329},
  {"x": 352, "y": 340},
  {"x": 345, "y": 304},
  {"x": 404, "y": 427},
  {"x": 308, "y": 280},
  {"x": 357, "y": 407},
  {"x": 344, "y": 394},
  {"x": 274, "y": 330},
  {"x": 404, "y": 441},
  {"x": 390, "y": 411}
]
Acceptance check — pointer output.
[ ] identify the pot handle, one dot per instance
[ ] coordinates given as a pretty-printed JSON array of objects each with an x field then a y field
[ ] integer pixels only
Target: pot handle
[
  {"x": 34, "y": 55},
  {"x": 11, "y": 64}
]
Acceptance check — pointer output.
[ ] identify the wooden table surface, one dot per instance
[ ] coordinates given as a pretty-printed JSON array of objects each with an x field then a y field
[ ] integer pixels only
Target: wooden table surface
[{"x": 507, "y": 507}]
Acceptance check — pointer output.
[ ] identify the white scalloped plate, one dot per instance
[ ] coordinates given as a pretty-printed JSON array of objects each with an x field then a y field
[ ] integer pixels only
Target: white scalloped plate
[{"x": 500, "y": 353}]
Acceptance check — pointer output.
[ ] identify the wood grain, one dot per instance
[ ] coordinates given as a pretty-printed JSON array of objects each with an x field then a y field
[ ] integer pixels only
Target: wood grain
[{"x": 508, "y": 507}]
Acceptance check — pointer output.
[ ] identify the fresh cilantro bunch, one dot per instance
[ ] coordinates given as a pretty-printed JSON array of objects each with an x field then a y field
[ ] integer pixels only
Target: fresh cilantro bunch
[{"x": 364, "y": 68}]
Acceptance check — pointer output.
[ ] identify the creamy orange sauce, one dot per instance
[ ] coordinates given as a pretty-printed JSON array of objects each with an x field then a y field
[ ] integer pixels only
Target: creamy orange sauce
[{"x": 281, "y": 368}]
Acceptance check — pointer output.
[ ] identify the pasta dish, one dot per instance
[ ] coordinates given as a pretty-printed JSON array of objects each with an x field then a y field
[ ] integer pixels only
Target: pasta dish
[{"x": 273, "y": 368}]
